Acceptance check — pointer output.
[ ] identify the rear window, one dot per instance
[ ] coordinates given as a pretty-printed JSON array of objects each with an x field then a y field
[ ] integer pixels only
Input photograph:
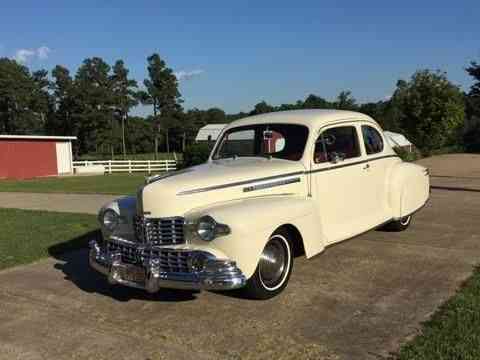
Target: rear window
[{"x": 372, "y": 139}]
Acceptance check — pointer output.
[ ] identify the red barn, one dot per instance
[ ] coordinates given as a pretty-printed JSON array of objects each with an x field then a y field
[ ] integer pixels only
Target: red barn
[{"x": 24, "y": 156}]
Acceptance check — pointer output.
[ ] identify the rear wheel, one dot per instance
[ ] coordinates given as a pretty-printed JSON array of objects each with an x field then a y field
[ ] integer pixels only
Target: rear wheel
[
  {"x": 400, "y": 224},
  {"x": 274, "y": 268}
]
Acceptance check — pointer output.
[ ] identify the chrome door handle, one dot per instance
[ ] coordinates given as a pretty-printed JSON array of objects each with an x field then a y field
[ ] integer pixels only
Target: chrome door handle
[{"x": 367, "y": 166}]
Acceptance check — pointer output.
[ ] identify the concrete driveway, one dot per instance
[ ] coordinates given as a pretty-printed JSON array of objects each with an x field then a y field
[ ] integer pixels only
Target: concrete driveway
[
  {"x": 454, "y": 171},
  {"x": 358, "y": 300},
  {"x": 76, "y": 203}
]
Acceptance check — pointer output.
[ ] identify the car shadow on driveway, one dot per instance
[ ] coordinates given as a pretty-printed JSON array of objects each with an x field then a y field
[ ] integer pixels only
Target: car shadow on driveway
[{"x": 73, "y": 257}]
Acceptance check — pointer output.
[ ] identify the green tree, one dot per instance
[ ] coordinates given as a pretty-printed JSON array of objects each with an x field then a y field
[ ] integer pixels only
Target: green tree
[
  {"x": 65, "y": 105},
  {"x": 473, "y": 96},
  {"x": 262, "y": 108},
  {"x": 141, "y": 135},
  {"x": 472, "y": 126},
  {"x": 124, "y": 96},
  {"x": 430, "y": 109},
  {"x": 316, "y": 102},
  {"x": 345, "y": 101},
  {"x": 23, "y": 98},
  {"x": 162, "y": 93},
  {"x": 384, "y": 112},
  {"x": 95, "y": 95}
]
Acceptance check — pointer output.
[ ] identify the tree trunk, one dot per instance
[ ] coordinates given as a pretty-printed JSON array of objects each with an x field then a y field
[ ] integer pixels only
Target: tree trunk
[
  {"x": 124, "y": 148},
  {"x": 184, "y": 140},
  {"x": 168, "y": 142},
  {"x": 111, "y": 140},
  {"x": 158, "y": 128},
  {"x": 8, "y": 118}
]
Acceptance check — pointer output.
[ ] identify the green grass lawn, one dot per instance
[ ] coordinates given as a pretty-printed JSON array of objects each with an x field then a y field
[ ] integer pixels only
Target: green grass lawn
[
  {"x": 98, "y": 184},
  {"x": 28, "y": 235},
  {"x": 453, "y": 332}
]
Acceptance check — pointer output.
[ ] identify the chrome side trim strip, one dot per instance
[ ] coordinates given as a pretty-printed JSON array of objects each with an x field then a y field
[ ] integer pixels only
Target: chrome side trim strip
[
  {"x": 238, "y": 183},
  {"x": 246, "y": 182},
  {"x": 351, "y": 164},
  {"x": 271, "y": 184}
]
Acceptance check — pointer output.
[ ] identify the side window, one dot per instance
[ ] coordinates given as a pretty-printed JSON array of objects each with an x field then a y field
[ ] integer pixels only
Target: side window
[
  {"x": 372, "y": 140},
  {"x": 337, "y": 144}
]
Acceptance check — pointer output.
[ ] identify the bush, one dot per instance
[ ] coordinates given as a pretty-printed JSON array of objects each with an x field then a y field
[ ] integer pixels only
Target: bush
[
  {"x": 406, "y": 155},
  {"x": 196, "y": 154},
  {"x": 452, "y": 149},
  {"x": 472, "y": 139}
]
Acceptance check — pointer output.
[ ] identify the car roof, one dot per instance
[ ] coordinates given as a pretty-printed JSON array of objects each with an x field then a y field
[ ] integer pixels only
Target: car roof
[{"x": 312, "y": 118}]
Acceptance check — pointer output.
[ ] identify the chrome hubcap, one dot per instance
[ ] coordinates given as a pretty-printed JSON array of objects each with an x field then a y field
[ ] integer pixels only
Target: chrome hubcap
[
  {"x": 273, "y": 263},
  {"x": 405, "y": 220}
]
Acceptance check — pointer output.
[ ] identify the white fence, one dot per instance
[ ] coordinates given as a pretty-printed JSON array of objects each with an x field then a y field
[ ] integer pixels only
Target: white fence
[{"x": 129, "y": 166}]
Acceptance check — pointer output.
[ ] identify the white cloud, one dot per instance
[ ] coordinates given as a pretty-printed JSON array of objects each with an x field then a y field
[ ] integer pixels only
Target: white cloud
[
  {"x": 42, "y": 52},
  {"x": 25, "y": 55},
  {"x": 187, "y": 75}
]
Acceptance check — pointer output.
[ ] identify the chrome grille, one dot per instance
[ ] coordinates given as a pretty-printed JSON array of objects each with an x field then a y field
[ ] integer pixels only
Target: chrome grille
[
  {"x": 171, "y": 260},
  {"x": 161, "y": 231},
  {"x": 128, "y": 253}
]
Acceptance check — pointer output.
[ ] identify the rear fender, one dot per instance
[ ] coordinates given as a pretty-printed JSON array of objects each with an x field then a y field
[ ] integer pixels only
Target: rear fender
[{"x": 409, "y": 189}]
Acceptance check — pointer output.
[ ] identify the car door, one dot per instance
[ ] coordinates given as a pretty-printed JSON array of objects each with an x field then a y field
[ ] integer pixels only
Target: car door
[
  {"x": 379, "y": 161},
  {"x": 339, "y": 177}
]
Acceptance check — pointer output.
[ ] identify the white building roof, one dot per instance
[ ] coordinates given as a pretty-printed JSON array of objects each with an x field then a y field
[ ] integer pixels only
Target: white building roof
[
  {"x": 38, "y": 137},
  {"x": 212, "y": 130},
  {"x": 396, "y": 139}
]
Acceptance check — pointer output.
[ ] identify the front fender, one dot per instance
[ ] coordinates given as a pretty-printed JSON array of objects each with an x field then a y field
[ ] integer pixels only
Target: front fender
[
  {"x": 253, "y": 220},
  {"x": 126, "y": 207}
]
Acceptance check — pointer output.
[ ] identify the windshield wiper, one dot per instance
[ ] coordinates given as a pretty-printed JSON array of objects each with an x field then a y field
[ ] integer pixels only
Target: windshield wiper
[{"x": 234, "y": 157}]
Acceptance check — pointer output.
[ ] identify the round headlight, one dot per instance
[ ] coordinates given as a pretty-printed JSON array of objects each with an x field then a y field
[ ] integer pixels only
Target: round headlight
[
  {"x": 206, "y": 228},
  {"x": 110, "y": 219}
]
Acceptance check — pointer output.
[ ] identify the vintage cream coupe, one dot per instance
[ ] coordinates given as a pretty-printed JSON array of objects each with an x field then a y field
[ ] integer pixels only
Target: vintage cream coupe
[{"x": 275, "y": 186}]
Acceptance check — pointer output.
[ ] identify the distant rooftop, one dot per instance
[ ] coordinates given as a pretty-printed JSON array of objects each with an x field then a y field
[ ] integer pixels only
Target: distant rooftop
[
  {"x": 396, "y": 139},
  {"x": 209, "y": 132},
  {"x": 37, "y": 137}
]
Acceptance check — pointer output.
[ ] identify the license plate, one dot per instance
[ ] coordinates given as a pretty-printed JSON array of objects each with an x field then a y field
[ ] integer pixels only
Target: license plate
[{"x": 132, "y": 273}]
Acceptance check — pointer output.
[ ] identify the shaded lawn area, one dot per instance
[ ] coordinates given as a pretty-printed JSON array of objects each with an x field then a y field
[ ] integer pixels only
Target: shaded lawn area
[
  {"x": 26, "y": 235},
  {"x": 453, "y": 332},
  {"x": 122, "y": 184}
]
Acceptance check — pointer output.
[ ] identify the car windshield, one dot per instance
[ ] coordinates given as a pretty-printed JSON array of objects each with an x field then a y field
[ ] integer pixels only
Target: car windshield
[{"x": 281, "y": 141}]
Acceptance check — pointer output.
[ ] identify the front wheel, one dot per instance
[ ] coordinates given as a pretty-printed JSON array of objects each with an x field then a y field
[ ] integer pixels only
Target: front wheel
[
  {"x": 400, "y": 224},
  {"x": 274, "y": 268}
]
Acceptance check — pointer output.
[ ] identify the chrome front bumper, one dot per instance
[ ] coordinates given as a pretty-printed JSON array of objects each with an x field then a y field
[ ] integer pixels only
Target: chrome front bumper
[{"x": 215, "y": 274}]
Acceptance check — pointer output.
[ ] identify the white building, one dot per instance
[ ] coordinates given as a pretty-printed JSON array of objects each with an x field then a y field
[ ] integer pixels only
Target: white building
[
  {"x": 398, "y": 140},
  {"x": 210, "y": 132}
]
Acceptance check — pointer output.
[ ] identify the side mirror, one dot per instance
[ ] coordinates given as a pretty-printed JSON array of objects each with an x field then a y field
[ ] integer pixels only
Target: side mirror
[{"x": 336, "y": 157}]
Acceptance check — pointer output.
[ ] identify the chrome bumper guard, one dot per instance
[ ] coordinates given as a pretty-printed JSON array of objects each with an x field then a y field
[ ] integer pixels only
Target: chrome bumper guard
[{"x": 215, "y": 274}]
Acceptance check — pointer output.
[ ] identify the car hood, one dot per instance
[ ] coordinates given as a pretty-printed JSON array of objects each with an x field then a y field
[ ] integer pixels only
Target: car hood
[{"x": 175, "y": 193}]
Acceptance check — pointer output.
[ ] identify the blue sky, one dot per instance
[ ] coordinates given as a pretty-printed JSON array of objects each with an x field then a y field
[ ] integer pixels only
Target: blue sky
[{"x": 243, "y": 52}]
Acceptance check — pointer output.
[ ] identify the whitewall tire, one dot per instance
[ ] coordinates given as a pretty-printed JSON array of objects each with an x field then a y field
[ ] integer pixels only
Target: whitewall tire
[
  {"x": 400, "y": 224},
  {"x": 274, "y": 267}
]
